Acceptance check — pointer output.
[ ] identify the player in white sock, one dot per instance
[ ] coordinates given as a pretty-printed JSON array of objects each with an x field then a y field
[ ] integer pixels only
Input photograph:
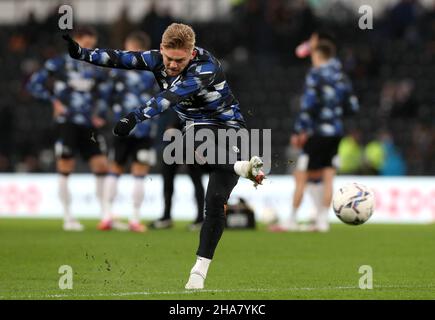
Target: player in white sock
[
  {"x": 315, "y": 189},
  {"x": 139, "y": 171},
  {"x": 300, "y": 177},
  {"x": 251, "y": 170},
  {"x": 130, "y": 89},
  {"x": 77, "y": 114},
  {"x": 192, "y": 82},
  {"x": 69, "y": 223},
  {"x": 99, "y": 189},
  {"x": 328, "y": 174},
  {"x": 319, "y": 187},
  {"x": 109, "y": 220},
  {"x": 138, "y": 197},
  {"x": 318, "y": 128},
  {"x": 110, "y": 190}
]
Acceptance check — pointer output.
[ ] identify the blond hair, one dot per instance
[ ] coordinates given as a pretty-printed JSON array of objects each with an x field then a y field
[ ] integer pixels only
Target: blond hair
[{"x": 178, "y": 36}]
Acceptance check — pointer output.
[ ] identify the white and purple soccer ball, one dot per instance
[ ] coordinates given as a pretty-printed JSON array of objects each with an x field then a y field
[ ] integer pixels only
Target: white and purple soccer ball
[{"x": 353, "y": 203}]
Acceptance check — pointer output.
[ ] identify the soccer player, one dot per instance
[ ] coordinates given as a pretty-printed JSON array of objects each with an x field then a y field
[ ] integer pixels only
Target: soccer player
[
  {"x": 328, "y": 96},
  {"x": 129, "y": 89},
  {"x": 75, "y": 91},
  {"x": 193, "y": 83},
  {"x": 169, "y": 172}
]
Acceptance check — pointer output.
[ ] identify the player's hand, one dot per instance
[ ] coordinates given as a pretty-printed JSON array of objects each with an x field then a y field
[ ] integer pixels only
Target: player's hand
[
  {"x": 73, "y": 47},
  {"x": 58, "y": 108},
  {"x": 303, "y": 50},
  {"x": 98, "y": 122},
  {"x": 124, "y": 126}
]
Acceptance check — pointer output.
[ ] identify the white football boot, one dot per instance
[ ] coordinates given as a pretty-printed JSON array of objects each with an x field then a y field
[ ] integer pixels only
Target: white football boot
[
  {"x": 73, "y": 225},
  {"x": 119, "y": 225},
  {"x": 251, "y": 170},
  {"x": 196, "y": 281}
]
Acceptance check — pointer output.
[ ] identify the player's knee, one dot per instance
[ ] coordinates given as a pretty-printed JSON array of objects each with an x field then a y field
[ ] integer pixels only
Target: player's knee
[
  {"x": 215, "y": 204},
  {"x": 116, "y": 169},
  {"x": 99, "y": 164},
  {"x": 216, "y": 199},
  {"x": 65, "y": 165},
  {"x": 138, "y": 169}
]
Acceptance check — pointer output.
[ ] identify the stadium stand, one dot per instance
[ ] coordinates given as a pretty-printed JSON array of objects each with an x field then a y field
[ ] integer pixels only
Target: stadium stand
[{"x": 391, "y": 67}]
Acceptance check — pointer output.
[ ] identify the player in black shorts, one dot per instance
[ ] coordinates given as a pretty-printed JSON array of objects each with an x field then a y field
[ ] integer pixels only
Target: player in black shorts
[
  {"x": 75, "y": 90},
  {"x": 328, "y": 96},
  {"x": 127, "y": 90},
  {"x": 170, "y": 121},
  {"x": 193, "y": 83}
]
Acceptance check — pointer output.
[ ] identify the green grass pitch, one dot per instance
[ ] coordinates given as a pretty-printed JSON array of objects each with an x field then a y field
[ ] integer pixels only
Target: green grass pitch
[{"x": 247, "y": 264}]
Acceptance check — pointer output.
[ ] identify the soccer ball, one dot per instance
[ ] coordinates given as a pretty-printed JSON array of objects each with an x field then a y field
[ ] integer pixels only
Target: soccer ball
[{"x": 353, "y": 203}]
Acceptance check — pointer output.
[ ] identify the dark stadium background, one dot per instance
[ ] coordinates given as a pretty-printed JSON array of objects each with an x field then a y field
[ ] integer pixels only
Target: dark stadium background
[{"x": 392, "y": 67}]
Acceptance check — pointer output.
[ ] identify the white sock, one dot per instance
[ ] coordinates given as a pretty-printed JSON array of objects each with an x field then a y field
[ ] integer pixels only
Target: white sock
[
  {"x": 138, "y": 196},
  {"x": 201, "y": 266},
  {"x": 293, "y": 215},
  {"x": 322, "y": 218},
  {"x": 99, "y": 190},
  {"x": 316, "y": 192},
  {"x": 110, "y": 190},
  {"x": 241, "y": 168},
  {"x": 65, "y": 197}
]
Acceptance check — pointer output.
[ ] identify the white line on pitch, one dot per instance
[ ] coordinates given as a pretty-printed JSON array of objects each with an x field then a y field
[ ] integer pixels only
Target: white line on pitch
[{"x": 185, "y": 292}]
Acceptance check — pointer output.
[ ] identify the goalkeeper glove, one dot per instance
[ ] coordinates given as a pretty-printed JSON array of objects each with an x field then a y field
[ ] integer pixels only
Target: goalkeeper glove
[
  {"x": 124, "y": 126},
  {"x": 73, "y": 47}
]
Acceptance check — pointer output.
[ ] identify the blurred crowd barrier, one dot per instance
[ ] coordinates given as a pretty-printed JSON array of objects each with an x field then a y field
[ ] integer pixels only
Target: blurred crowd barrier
[{"x": 398, "y": 200}]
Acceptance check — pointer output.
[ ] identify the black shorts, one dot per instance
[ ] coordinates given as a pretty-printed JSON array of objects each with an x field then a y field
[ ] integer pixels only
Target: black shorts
[
  {"x": 73, "y": 138},
  {"x": 206, "y": 143},
  {"x": 136, "y": 149},
  {"x": 318, "y": 153}
]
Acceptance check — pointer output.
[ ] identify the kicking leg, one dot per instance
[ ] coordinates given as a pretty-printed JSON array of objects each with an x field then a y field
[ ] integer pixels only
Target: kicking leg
[{"x": 220, "y": 186}]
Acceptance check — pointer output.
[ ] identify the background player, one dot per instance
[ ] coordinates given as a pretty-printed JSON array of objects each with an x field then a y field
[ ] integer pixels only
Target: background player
[
  {"x": 169, "y": 171},
  {"x": 328, "y": 95},
  {"x": 130, "y": 88},
  {"x": 193, "y": 83},
  {"x": 75, "y": 90}
]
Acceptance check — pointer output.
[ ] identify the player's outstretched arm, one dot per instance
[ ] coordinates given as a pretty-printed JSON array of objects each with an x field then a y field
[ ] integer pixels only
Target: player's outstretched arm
[
  {"x": 191, "y": 84},
  {"x": 111, "y": 58},
  {"x": 74, "y": 49}
]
